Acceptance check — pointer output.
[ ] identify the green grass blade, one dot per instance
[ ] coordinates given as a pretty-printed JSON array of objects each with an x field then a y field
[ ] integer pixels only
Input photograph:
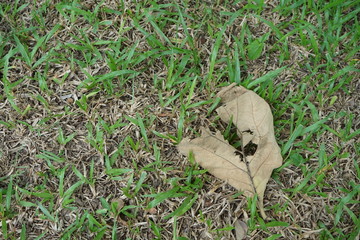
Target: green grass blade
[
  {"x": 185, "y": 206},
  {"x": 267, "y": 77},
  {"x": 46, "y": 212}
]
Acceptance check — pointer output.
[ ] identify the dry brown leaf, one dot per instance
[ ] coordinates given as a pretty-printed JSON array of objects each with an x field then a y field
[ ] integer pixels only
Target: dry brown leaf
[
  {"x": 253, "y": 119},
  {"x": 240, "y": 229}
]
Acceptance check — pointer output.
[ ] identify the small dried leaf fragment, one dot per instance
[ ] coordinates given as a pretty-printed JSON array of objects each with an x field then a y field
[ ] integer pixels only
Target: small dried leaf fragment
[
  {"x": 253, "y": 119},
  {"x": 240, "y": 229}
]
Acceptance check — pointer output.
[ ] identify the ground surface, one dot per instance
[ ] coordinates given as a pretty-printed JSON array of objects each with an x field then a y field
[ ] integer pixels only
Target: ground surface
[{"x": 95, "y": 95}]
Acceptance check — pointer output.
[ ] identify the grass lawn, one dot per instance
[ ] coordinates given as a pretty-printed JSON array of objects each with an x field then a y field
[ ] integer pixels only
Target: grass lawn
[{"x": 95, "y": 96}]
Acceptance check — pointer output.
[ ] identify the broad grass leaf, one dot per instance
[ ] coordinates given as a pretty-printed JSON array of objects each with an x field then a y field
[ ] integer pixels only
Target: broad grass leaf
[
  {"x": 253, "y": 119},
  {"x": 255, "y": 49}
]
